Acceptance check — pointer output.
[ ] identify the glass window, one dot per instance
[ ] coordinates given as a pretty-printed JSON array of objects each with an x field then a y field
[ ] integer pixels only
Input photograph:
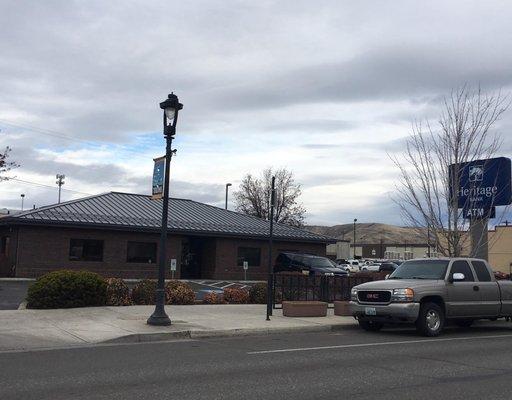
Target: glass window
[
  {"x": 421, "y": 269},
  {"x": 250, "y": 254},
  {"x": 481, "y": 270},
  {"x": 85, "y": 250},
  {"x": 141, "y": 252},
  {"x": 462, "y": 267}
]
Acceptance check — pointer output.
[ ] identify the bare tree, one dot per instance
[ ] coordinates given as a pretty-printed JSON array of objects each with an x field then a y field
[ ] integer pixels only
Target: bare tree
[
  {"x": 5, "y": 164},
  {"x": 253, "y": 197},
  {"x": 463, "y": 133}
]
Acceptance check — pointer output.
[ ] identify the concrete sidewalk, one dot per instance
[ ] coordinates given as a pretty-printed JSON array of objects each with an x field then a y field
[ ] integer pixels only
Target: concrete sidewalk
[{"x": 31, "y": 329}]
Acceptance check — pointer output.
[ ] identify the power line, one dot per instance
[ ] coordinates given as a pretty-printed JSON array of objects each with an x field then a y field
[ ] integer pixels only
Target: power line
[{"x": 43, "y": 185}]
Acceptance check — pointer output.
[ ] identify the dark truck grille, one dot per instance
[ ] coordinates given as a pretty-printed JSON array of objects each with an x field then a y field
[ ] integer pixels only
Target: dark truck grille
[{"x": 374, "y": 296}]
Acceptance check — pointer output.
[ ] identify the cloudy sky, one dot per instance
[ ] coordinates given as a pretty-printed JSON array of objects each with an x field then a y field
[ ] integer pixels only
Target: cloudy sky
[{"x": 325, "y": 88}]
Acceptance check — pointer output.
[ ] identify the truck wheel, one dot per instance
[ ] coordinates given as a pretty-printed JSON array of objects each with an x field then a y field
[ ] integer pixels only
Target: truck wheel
[
  {"x": 464, "y": 323},
  {"x": 371, "y": 326},
  {"x": 431, "y": 319}
]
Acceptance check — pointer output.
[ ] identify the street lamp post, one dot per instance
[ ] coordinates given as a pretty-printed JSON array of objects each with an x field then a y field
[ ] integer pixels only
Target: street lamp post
[
  {"x": 227, "y": 187},
  {"x": 355, "y": 220},
  {"x": 22, "y": 200},
  {"x": 171, "y": 107}
]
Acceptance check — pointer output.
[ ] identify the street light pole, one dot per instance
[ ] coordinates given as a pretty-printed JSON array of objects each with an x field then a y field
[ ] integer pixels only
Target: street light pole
[
  {"x": 270, "y": 277},
  {"x": 22, "y": 200},
  {"x": 227, "y": 187},
  {"x": 355, "y": 220},
  {"x": 171, "y": 107}
]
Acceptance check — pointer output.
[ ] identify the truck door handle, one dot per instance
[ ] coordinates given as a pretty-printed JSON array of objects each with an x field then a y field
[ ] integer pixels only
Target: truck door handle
[{"x": 476, "y": 288}]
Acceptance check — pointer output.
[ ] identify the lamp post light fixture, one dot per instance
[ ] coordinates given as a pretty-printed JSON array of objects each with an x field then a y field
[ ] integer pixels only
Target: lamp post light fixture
[
  {"x": 355, "y": 220},
  {"x": 227, "y": 187},
  {"x": 171, "y": 106}
]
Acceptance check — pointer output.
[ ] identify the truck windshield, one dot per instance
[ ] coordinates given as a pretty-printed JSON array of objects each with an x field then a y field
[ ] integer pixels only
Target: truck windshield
[
  {"x": 421, "y": 269},
  {"x": 319, "y": 262}
]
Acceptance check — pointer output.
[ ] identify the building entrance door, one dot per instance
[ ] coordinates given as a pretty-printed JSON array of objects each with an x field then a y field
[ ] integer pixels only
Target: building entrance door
[{"x": 191, "y": 258}]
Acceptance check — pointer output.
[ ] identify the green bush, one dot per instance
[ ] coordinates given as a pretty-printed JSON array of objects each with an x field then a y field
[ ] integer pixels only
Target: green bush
[
  {"x": 258, "y": 293},
  {"x": 118, "y": 293},
  {"x": 236, "y": 296},
  {"x": 177, "y": 292},
  {"x": 143, "y": 293},
  {"x": 67, "y": 289}
]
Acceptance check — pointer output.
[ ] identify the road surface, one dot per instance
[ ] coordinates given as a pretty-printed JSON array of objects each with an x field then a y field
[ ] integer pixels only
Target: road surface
[{"x": 349, "y": 364}]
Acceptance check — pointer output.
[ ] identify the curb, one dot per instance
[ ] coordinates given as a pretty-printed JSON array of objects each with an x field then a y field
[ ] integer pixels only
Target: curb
[{"x": 223, "y": 333}]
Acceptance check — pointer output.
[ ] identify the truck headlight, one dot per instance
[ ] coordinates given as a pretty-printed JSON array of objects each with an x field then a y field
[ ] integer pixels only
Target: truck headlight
[
  {"x": 402, "y": 295},
  {"x": 353, "y": 294}
]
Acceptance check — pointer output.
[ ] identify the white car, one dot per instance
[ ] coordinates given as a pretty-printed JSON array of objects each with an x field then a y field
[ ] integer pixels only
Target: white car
[
  {"x": 371, "y": 268},
  {"x": 349, "y": 267}
]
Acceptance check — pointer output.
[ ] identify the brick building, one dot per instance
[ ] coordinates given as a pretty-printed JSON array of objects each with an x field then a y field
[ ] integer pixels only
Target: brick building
[{"x": 117, "y": 234}]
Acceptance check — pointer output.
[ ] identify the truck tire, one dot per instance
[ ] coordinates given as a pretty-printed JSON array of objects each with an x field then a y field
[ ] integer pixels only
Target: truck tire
[
  {"x": 463, "y": 323},
  {"x": 371, "y": 326},
  {"x": 430, "y": 322}
]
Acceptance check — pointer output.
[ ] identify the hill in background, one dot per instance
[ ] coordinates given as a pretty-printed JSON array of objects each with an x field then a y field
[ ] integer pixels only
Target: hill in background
[{"x": 370, "y": 233}]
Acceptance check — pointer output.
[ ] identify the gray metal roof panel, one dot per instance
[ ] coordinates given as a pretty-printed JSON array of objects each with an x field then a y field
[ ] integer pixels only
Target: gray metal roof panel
[{"x": 133, "y": 211}]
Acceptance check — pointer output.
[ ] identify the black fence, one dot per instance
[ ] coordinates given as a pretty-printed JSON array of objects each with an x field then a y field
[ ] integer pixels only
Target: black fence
[{"x": 299, "y": 287}]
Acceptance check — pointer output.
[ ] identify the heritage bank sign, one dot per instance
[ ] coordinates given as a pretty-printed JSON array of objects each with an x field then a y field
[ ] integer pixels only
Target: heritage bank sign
[{"x": 483, "y": 185}]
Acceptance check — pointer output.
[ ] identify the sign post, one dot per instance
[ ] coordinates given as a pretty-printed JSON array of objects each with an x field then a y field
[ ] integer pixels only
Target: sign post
[
  {"x": 173, "y": 267},
  {"x": 246, "y": 267},
  {"x": 481, "y": 185}
]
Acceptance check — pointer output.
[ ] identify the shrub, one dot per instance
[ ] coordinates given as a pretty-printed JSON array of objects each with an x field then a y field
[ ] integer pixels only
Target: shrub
[
  {"x": 258, "y": 293},
  {"x": 67, "y": 289},
  {"x": 143, "y": 293},
  {"x": 213, "y": 298},
  {"x": 118, "y": 293},
  {"x": 177, "y": 292},
  {"x": 236, "y": 296}
]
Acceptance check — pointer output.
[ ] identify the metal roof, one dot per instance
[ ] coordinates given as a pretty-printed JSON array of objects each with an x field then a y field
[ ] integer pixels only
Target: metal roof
[{"x": 139, "y": 212}]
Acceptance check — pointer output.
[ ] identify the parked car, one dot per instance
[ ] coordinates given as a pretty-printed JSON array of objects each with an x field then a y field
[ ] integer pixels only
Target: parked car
[
  {"x": 371, "y": 268},
  {"x": 314, "y": 265},
  {"x": 427, "y": 292},
  {"x": 349, "y": 267},
  {"x": 388, "y": 267}
]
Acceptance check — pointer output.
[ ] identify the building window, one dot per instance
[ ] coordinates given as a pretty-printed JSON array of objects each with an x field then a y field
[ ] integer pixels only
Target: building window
[
  {"x": 4, "y": 246},
  {"x": 85, "y": 250},
  {"x": 141, "y": 252},
  {"x": 250, "y": 254}
]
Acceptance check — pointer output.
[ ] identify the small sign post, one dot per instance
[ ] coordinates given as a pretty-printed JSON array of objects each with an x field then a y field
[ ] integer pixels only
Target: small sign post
[
  {"x": 173, "y": 267},
  {"x": 246, "y": 267}
]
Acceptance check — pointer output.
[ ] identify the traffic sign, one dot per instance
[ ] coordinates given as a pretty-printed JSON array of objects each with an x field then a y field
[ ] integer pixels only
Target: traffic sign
[
  {"x": 246, "y": 265},
  {"x": 173, "y": 264}
]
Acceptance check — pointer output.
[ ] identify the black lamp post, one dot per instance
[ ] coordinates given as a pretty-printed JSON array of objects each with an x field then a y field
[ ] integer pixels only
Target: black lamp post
[
  {"x": 355, "y": 220},
  {"x": 171, "y": 107}
]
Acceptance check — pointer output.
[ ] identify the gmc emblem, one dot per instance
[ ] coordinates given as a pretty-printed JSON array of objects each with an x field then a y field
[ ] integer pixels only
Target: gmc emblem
[{"x": 373, "y": 296}]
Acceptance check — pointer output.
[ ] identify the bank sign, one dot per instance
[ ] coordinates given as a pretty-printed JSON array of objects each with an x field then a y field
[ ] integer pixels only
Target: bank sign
[{"x": 483, "y": 184}]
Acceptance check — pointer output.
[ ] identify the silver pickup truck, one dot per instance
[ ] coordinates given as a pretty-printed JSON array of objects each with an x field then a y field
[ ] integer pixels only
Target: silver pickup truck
[{"x": 428, "y": 292}]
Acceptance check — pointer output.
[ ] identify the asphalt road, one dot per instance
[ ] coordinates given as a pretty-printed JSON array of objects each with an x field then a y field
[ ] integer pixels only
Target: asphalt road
[
  {"x": 12, "y": 293},
  {"x": 349, "y": 364}
]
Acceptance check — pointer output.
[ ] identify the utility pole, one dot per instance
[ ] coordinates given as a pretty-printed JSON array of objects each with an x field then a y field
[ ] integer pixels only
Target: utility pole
[
  {"x": 270, "y": 277},
  {"x": 227, "y": 186},
  {"x": 60, "y": 182}
]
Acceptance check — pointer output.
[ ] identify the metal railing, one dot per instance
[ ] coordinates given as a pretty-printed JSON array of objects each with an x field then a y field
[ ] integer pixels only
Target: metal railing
[{"x": 299, "y": 287}]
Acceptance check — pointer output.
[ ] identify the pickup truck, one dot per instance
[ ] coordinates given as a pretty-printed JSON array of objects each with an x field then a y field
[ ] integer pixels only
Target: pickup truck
[{"x": 428, "y": 292}]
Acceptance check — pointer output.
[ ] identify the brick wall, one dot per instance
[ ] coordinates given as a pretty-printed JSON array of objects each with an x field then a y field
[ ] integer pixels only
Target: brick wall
[
  {"x": 44, "y": 249},
  {"x": 227, "y": 250}
]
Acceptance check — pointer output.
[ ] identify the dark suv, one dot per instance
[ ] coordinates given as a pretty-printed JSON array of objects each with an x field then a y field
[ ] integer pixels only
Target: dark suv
[{"x": 295, "y": 262}]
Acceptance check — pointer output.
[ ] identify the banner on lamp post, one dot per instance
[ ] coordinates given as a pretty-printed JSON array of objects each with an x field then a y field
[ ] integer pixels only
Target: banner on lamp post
[{"x": 158, "y": 178}]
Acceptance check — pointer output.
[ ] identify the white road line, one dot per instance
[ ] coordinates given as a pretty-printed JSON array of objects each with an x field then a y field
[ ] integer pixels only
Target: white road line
[
  {"x": 228, "y": 285},
  {"x": 348, "y": 346}
]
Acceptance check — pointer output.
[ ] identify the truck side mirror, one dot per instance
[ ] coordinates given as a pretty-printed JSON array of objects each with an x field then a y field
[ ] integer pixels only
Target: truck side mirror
[{"x": 457, "y": 277}]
